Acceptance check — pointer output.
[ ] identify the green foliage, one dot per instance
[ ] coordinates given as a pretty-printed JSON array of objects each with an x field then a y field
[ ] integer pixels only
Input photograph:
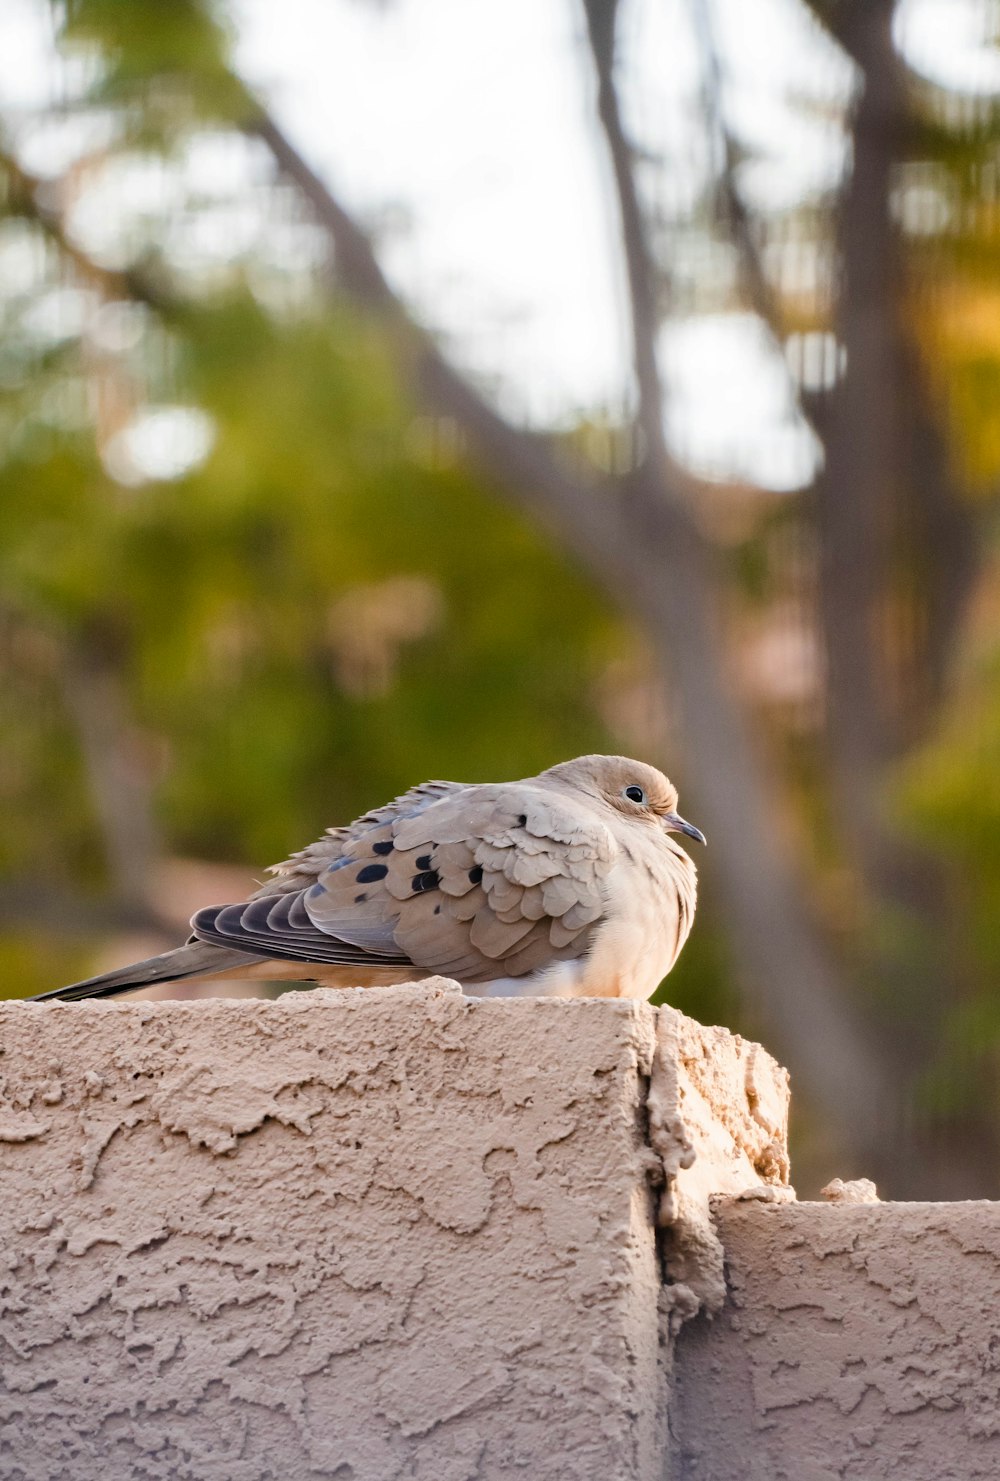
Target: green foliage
[
  {"x": 229, "y": 596},
  {"x": 170, "y": 54}
]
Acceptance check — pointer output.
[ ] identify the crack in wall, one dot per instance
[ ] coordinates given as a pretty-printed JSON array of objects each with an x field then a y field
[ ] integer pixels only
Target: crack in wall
[{"x": 717, "y": 1121}]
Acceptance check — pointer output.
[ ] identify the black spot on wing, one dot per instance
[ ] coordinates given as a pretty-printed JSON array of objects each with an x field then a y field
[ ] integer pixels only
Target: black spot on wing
[
  {"x": 476, "y": 874},
  {"x": 428, "y": 880},
  {"x": 371, "y": 872},
  {"x": 424, "y": 861},
  {"x": 385, "y": 847}
]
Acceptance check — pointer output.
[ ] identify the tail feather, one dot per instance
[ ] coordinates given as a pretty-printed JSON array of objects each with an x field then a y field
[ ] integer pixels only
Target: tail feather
[{"x": 194, "y": 960}]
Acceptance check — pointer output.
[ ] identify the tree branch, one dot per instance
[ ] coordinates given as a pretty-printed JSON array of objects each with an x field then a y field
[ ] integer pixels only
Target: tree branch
[
  {"x": 119, "y": 781},
  {"x": 759, "y": 293},
  {"x": 640, "y": 268},
  {"x": 32, "y": 198},
  {"x": 541, "y": 481},
  {"x": 840, "y": 19}
]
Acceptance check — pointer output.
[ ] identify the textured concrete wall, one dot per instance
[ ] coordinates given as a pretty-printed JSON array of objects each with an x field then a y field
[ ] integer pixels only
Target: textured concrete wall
[
  {"x": 856, "y": 1344},
  {"x": 401, "y": 1234},
  {"x": 363, "y": 1235}
]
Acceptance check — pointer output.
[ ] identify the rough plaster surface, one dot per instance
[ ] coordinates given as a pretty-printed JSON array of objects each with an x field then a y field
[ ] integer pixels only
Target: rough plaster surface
[
  {"x": 718, "y": 1119},
  {"x": 858, "y": 1343},
  {"x": 362, "y": 1235}
]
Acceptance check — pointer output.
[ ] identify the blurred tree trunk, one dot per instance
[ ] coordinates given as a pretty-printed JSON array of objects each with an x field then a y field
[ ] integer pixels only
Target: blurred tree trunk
[
  {"x": 897, "y": 562},
  {"x": 888, "y": 489},
  {"x": 856, "y": 491},
  {"x": 117, "y": 772},
  {"x": 86, "y": 672}
]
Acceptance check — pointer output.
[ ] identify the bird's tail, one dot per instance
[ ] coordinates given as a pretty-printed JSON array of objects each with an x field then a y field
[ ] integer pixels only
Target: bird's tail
[{"x": 194, "y": 960}]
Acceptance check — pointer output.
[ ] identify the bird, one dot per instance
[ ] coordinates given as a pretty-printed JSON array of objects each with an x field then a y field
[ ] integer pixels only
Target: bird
[{"x": 569, "y": 884}]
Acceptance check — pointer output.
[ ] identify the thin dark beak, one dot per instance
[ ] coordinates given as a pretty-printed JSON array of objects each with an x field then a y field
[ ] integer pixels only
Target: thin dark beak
[{"x": 676, "y": 824}]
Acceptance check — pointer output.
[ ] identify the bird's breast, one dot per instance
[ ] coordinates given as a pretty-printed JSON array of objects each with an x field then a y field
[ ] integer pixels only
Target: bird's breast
[{"x": 650, "y": 905}]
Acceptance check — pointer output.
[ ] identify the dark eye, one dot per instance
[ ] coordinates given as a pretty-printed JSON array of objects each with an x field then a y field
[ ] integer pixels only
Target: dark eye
[{"x": 634, "y": 794}]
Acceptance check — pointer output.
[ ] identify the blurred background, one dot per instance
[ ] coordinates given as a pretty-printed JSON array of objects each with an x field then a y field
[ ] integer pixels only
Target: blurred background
[{"x": 401, "y": 390}]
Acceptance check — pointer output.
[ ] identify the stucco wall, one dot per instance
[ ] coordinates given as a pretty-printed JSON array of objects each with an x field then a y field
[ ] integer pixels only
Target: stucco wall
[
  {"x": 362, "y": 1235},
  {"x": 403, "y": 1234},
  {"x": 856, "y": 1344}
]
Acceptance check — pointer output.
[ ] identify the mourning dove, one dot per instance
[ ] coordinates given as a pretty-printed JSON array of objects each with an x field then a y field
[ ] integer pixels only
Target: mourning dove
[{"x": 568, "y": 883}]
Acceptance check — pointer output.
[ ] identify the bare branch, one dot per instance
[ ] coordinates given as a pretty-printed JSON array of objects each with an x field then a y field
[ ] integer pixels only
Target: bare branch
[
  {"x": 549, "y": 485},
  {"x": 840, "y": 19},
  {"x": 641, "y": 270},
  {"x": 760, "y": 295},
  {"x": 117, "y": 773},
  {"x": 33, "y": 198}
]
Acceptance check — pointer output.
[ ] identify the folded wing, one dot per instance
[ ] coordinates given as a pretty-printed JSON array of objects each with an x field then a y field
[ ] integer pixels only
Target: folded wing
[{"x": 475, "y": 882}]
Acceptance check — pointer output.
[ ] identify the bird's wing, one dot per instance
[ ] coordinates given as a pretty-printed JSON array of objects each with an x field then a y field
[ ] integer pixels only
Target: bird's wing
[
  {"x": 475, "y": 882},
  {"x": 300, "y": 870}
]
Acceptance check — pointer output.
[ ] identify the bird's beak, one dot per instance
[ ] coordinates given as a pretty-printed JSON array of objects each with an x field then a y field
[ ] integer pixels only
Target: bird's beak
[{"x": 676, "y": 824}]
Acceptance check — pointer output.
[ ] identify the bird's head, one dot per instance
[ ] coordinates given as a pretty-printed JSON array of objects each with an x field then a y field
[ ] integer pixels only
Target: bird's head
[{"x": 632, "y": 788}]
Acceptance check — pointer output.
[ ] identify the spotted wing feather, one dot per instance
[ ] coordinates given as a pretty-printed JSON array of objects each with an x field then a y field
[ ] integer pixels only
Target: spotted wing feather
[
  {"x": 515, "y": 873},
  {"x": 477, "y": 882}
]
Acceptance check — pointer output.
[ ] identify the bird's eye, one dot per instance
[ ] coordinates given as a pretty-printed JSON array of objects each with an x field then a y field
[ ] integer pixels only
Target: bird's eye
[{"x": 634, "y": 794}]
